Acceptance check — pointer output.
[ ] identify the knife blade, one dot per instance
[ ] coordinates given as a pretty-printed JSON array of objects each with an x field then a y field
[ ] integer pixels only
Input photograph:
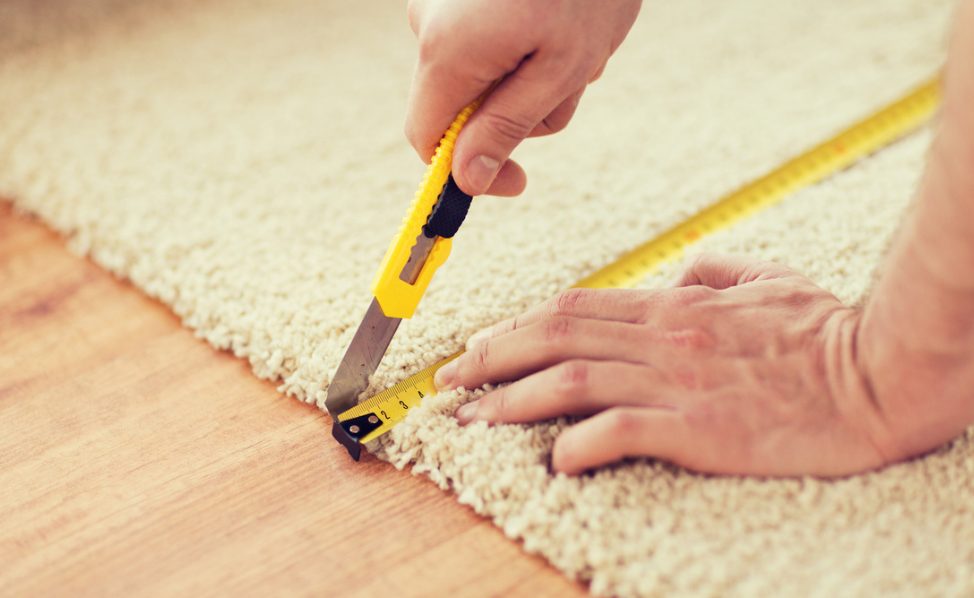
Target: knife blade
[{"x": 366, "y": 350}]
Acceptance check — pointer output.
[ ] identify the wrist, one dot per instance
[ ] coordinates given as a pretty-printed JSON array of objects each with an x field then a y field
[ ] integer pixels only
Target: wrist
[
  {"x": 915, "y": 347},
  {"x": 850, "y": 384}
]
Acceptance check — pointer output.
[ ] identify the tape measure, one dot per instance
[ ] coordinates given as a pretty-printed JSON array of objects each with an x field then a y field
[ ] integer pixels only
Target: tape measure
[{"x": 381, "y": 413}]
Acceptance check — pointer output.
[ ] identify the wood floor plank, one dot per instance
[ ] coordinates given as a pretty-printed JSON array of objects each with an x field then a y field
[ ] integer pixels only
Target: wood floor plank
[{"x": 136, "y": 460}]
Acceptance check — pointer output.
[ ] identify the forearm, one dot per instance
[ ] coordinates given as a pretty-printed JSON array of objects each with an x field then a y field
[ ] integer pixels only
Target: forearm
[{"x": 917, "y": 335}]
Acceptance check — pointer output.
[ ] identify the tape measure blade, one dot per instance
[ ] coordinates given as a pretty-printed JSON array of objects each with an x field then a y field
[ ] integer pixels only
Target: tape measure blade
[
  {"x": 402, "y": 402},
  {"x": 393, "y": 404}
]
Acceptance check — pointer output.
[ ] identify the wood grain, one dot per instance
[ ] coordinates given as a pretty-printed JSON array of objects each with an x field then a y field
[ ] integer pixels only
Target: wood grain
[{"x": 135, "y": 460}]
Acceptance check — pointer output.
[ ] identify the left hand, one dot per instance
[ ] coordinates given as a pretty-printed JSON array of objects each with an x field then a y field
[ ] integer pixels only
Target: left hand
[{"x": 746, "y": 367}]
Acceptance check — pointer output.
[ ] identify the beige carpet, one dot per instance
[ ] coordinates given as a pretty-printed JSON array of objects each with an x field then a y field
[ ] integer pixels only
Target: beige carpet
[{"x": 244, "y": 162}]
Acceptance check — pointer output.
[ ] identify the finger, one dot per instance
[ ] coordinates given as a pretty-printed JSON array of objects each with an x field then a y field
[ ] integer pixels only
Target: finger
[
  {"x": 451, "y": 72},
  {"x": 540, "y": 346},
  {"x": 725, "y": 271},
  {"x": 619, "y": 305},
  {"x": 510, "y": 181},
  {"x": 577, "y": 387},
  {"x": 435, "y": 99},
  {"x": 509, "y": 114},
  {"x": 559, "y": 118},
  {"x": 622, "y": 432}
]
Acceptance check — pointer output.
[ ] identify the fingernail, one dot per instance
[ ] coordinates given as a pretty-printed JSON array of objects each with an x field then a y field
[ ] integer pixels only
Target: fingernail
[
  {"x": 466, "y": 413},
  {"x": 481, "y": 172},
  {"x": 443, "y": 379},
  {"x": 478, "y": 338}
]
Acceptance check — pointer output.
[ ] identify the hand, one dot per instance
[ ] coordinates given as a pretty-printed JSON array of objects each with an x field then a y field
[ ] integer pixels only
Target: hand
[
  {"x": 547, "y": 52},
  {"x": 746, "y": 368}
]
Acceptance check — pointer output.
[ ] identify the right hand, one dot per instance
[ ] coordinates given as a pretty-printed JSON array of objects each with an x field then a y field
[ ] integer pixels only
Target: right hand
[{"x": 547, "y": 52}]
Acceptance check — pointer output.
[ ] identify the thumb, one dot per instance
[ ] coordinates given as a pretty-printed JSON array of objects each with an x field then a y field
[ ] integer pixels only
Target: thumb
[{"x": 725, "y": 271}]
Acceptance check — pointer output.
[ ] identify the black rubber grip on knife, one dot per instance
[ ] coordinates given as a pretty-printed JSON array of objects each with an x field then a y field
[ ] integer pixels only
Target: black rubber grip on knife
[{"x": 448, "y": 213}]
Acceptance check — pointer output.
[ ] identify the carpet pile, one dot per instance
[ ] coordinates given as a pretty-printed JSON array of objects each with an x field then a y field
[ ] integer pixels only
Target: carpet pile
[{"x": 244, "y": 163}]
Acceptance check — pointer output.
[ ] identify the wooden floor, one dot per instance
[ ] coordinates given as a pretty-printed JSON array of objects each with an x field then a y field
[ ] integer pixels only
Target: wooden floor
[{"x": 135, "y": 460}]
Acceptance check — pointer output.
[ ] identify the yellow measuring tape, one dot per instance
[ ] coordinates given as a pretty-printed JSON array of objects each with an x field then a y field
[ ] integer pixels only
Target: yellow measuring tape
[{"x": 858, "y": 141}]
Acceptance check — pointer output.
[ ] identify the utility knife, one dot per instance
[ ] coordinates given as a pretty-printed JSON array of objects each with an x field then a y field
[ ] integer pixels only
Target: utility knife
[{"x": 420, "y": 247}]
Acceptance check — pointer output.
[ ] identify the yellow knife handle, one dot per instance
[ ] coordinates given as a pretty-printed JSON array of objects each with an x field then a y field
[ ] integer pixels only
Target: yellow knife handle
[{"x": 398, "y": 298}]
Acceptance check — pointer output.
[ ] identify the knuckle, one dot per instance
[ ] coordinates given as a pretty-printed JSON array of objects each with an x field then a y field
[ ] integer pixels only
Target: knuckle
[
  {"x": 558, "y": 329},
  {"x": 698, "y": 261},
  {"x": 576, "y": 64},
  {"x": 622, "y": 424},
  {"x": 590, "y": 65},
  {"x": 692, "y": 339},
  {"x": 565, "y": 303},
  {"x": 575, "y": 373},
  {"x": 554, "y": 123},
  {"x": 765, "y": 270},
  {"x": 572, "y": 379},
  {"x": 509, "y": 129},
  {"x": 515, "y": 323},
  {"x": 559, "y": 118},
  {"x": 687, "y": 296},
  {"x": 430, "y": 41},
  {"x": 480, "y": 364},
  {"x": 688, "y": 378}
]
